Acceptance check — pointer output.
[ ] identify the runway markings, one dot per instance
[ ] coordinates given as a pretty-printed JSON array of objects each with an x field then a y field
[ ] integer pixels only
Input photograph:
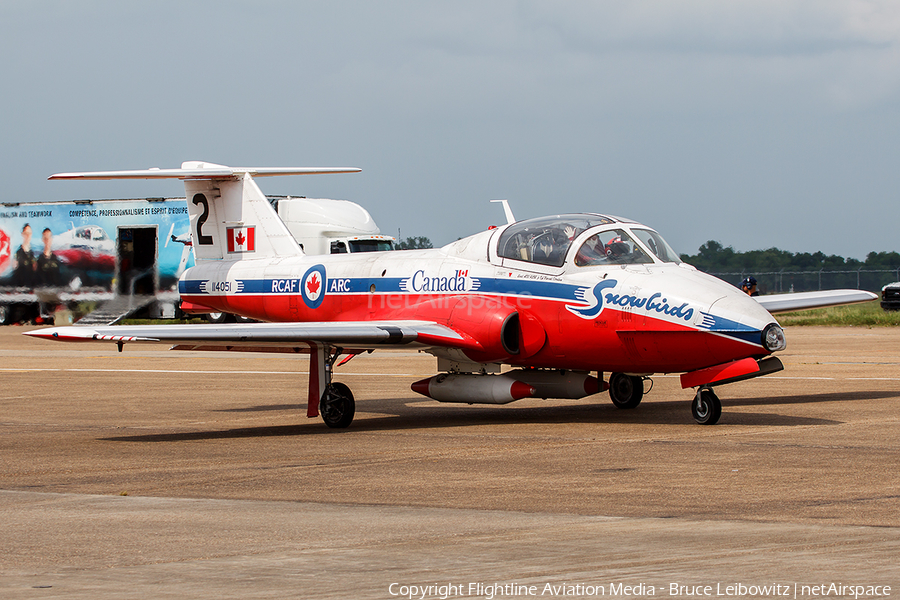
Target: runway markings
[
  {"x": 767, "y": 377},
  {"x": 189, "y": 372},
  {"x": 804, "y": 378}
]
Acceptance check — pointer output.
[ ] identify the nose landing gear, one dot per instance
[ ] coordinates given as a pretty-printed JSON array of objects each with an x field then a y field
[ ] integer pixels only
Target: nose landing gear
[{"x": 706, "y": 407}]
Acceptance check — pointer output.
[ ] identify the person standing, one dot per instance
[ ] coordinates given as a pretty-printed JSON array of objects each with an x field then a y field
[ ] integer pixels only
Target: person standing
[
  {"x": 748, "y": 286},
  {"x": 26, "y": 265},
  {"x": 48, "y": 262}
]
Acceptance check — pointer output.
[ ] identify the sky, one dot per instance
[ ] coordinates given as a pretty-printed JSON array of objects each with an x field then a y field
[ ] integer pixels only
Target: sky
[{"x": 755, "y": 123}]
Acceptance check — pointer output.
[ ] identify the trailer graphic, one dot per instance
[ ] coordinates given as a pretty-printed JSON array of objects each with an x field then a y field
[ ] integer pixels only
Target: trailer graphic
[{"x": 62, "y": 254}]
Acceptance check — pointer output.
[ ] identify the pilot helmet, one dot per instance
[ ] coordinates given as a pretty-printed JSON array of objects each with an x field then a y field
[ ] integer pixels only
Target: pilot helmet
[
  {"x": 748, "y": 283},
  {"x": 616, "y": 247}
]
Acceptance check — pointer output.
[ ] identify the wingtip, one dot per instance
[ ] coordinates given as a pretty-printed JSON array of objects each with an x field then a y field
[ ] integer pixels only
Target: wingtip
[
  {"x": 42, "y": 333},
  {"x": 61, "y": 334}
]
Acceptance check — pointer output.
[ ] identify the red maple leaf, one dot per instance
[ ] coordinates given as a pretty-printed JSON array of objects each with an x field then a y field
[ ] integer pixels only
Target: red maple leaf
[
  {"x": 240, "y": 238},
  {"x": 313, "y": 284},
  {"x": 5, "y": 251}
]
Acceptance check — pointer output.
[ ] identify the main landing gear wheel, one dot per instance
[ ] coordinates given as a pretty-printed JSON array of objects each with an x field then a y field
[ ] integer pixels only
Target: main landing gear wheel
[
  {"x": 706, "y": 407},
  {"x": 626, "y": 391},
  {"x": 220, "y": 317},
  {"x": 337, "y": 406}
]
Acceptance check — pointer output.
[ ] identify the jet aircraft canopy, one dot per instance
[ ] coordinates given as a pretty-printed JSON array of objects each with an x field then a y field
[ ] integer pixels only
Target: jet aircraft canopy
[{"x": 548, "y": 240}]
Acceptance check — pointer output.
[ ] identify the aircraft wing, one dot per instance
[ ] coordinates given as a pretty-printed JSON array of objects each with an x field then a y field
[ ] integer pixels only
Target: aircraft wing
[
  {"x": 356, "y": 334},
  {"x": 779, "y": 303}
]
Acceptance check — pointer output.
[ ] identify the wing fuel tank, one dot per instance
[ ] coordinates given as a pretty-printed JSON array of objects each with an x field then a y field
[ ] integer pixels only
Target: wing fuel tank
[
  {"x": 559, "y": 383},
  {"x": 470, "y": 388},
  {"x": 473, "y": 389}
]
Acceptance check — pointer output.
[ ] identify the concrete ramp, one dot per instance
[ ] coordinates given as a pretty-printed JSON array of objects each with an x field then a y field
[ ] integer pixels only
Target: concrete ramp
[{"x": 82, "y": 546}]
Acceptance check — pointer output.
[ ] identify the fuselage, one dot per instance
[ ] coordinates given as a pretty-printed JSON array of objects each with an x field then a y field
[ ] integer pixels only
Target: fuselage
[{"x": 584, "y": 292}]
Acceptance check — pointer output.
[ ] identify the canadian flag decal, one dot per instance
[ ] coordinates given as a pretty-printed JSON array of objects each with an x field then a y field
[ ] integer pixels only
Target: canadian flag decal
[{"x": 241, "y": 239}]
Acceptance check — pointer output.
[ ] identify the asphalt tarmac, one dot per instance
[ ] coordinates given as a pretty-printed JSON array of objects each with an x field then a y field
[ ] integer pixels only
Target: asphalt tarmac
[{"x": 159, "y": 474}]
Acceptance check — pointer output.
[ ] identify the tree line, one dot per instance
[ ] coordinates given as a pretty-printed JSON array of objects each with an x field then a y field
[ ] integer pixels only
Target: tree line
[
  {"x": 782, "y": 271},
  {"x": 777, "y": 270},
  {"x": 414, "y": 243}
]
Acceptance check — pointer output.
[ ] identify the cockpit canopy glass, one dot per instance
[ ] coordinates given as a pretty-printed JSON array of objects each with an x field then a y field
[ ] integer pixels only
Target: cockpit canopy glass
[
  {"x": 657, "y": 245},
  {"x": 545, "y": 240},
  {"x": 613, "y": 246}
]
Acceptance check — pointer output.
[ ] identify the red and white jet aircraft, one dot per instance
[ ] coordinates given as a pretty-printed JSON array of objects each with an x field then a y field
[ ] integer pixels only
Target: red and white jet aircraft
[{"x": 556, "y": 298}]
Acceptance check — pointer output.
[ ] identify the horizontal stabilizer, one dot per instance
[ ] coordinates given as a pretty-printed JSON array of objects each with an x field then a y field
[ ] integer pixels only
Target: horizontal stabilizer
[
  {"x": 204, "y": 170},
  {"x": 230, "y": 218}
]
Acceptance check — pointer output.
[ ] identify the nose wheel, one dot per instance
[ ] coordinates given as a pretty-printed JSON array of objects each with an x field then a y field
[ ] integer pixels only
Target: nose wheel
[{"x": 706, "y": 407}]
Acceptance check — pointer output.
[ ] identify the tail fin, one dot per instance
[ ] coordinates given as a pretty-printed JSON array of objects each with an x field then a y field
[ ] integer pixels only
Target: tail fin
[
  {"x": 230, "y": 216},
  {"x": 232, "y": 219}
]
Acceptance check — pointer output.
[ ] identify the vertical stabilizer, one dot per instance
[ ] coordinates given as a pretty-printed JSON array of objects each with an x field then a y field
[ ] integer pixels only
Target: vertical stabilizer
[{"x": 232, "y": 220}]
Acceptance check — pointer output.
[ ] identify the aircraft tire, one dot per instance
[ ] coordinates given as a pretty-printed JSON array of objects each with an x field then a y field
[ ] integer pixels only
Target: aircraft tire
[
  {"x": 4, "y": 314},
  {"x": 220, "y": 317},
  {"x": 625, "y": 391},
  {"x": 706, "y": 407},
  {"x": 337, "y": 406}
]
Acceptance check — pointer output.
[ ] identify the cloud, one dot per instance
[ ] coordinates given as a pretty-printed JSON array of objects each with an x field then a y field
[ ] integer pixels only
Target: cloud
[
  {"x": 663, "y": 111},
  {"x": 669, "y": 56}
]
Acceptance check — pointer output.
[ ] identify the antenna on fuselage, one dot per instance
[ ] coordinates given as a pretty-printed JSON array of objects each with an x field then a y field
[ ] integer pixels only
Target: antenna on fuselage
[{"x": 510, "y": 219}]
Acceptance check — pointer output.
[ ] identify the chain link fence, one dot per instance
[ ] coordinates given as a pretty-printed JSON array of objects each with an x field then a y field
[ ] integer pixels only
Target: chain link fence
[{"x": 775, "y": 282}]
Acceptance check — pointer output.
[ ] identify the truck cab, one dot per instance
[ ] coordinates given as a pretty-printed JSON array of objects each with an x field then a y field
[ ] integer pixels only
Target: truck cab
[{"x": 325, "y": 226}]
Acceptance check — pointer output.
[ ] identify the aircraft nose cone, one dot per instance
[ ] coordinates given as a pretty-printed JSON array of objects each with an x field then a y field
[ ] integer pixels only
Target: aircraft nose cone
[
  {"x": 741, "y": 308},
  {"x": 740, "y": 316}
]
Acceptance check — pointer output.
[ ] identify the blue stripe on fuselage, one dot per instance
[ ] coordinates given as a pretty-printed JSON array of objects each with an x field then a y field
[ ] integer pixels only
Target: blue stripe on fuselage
[
  {"x": 716, "y": 324},
  {"x": 359, "y": 285},
  {"x": 486, "y": 285}
]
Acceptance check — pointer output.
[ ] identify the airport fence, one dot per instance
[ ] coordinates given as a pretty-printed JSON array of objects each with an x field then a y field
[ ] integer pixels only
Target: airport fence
[{"x": 775, "y": 282}]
